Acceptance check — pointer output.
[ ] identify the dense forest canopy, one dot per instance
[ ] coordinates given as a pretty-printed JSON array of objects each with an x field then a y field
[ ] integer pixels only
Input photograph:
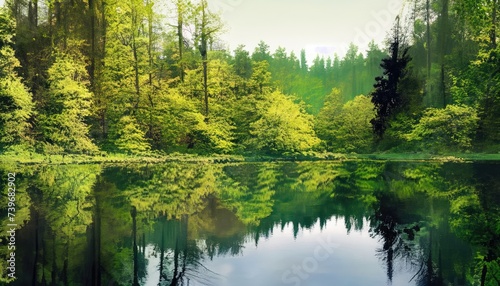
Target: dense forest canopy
[{"x": 91, "y": 76}]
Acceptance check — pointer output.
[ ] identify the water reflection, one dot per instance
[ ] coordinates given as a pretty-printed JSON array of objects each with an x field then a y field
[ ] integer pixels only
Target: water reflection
[{"x": 195, "y": 224}]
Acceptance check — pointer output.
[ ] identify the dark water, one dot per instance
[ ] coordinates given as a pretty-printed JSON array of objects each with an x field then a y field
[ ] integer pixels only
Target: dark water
[{"x": 349, "y": 223}]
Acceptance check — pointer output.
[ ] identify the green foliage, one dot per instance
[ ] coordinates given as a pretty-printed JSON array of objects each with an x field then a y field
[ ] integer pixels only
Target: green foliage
[
  {"x": 283, "y": 126},
  {"x": 260, "y": 78},
  {"x": 242, "y": 62},
  {"x": 221, "y": 81},
  {"x": 16, "y": 105},
  {"x": 346, "y": 128},
  {"x": 219, "y": 134},
  {"x": 181, "y": 122},
  {"x": 180, "y": 90},
  {"x": 7, "y": 27},
  {"x": 355, "y": 134},
  {"x": 449, "y": 129},
  {"x": 68, "y": 105},
  {"x": 116, "y": 93},
  {"x": 395, "y": 137},
  {"x": 128, "y": 137},
  {"x": 14, "y": 115},
  {"x": 216, "y": 135},
  {"x": 327, "y": 120},
  {"x": 478, "y": 86},
  {"x": 243, "y": 113},
  {"x": 177, "y": 118}
]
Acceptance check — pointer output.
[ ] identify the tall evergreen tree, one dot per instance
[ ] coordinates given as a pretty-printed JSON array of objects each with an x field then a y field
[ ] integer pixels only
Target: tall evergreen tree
[
  {"x": 16, "y": 106},
  {"x": 242, "y": 62},
  {"x": 68, "y": 104},
  {"x": 387, "y": 98},
  {"x": 303, "y": 61}
]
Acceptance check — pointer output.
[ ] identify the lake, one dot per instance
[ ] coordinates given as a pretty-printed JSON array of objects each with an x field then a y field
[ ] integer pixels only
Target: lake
[{"x": 289, "y": 223}]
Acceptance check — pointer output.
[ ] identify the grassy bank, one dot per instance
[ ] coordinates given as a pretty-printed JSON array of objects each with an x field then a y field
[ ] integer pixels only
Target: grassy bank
[
  {"x": 431, "y": 157},
  {"x": 34, "y": 158}
]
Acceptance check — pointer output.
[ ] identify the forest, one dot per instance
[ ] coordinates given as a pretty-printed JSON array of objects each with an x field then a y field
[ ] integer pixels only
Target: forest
[{"x": 98, "y": 77}]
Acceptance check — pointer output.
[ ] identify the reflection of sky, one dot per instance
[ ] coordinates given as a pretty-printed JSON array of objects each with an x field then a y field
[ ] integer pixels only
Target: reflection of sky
[
  {"x": 153, "y": 275},
  {"x": 352, "y": 260}
]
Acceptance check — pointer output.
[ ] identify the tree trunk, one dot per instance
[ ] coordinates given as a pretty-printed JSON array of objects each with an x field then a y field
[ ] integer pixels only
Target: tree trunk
[
  {"x": 180, "y": 24},
  {"x": 150, "y": 42},
  {"x": 443, "y": 85},
  {"x": 92, "y": 44},
  {"x": 150, "y": 67},
  {"x": 203, "y": 51},
  {"x": 136, "y": 58},
  {"x": 428, "y": 81},
  {"x": 33, "y": 15},
  {"x": 483, "y": 275},
  {"x": 443, "y": 47},
  {"x": 493, "y": 33},
  {"x": 205, "y": 85},
  {"x": 101, "y": 64}
]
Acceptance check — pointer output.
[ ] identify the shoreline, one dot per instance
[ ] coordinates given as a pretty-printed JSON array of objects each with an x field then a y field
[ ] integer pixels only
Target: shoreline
[{"x": 35, "y": 159}]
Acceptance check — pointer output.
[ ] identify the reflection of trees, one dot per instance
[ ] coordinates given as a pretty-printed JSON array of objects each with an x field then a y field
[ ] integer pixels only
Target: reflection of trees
[
  {"x": 441, "y": 199},
  {"x": 60, "y": 216},
  {"x": 476, "y": 218},
  {"x": 396, "y": 236},
  {"x": 307, "y": 192},
  {"x": 221, "y": 230},
  {"x": 179, "y": 256},
  {"x": 167, "y": 200},
  {"x": 110, "y": 237},
  {"x": 248, "y": 190},
  {"x": 404, "y": 219},
  {"x": 173, "y": 189},
  {"x": 354, "y": 189},
  {"x": 23, "y": 205},
  {"x": 297, "y": 196},
  {"x": 413, "y": 213},
  {"x": 176, "y": 191},
  {"x": 80, "y": 229}
]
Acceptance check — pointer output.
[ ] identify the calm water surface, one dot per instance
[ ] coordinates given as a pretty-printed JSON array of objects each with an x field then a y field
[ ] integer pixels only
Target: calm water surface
[{"x": 309, "y": 223}]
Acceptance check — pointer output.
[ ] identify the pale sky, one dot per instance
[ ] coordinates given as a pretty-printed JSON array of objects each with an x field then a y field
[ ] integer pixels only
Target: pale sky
[{"x": 320, "y": 27}]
